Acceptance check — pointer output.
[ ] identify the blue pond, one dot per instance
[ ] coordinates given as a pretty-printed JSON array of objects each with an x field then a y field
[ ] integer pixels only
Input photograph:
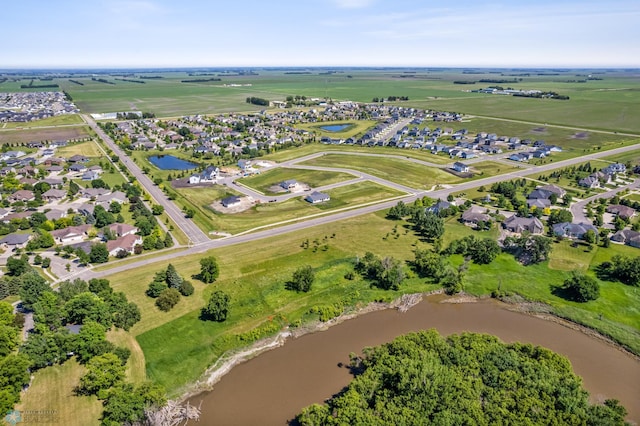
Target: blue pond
[
  {"x": 335, "y": 127},
  {"x": 169, "y": 162}
]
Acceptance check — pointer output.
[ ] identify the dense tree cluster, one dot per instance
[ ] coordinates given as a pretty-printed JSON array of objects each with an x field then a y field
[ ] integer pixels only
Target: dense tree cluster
[
  {"x": 217, "y": 308},
  {"x": 209, "y": 270},
  {"x": 386, "y": 273},
  {"x": 581, "y": 287},
  {"x": 481, "y": 250},
  {"x": 427, "y": 224},
  {"x": 424, "y": 378},
  {"x": 529, "y": 249},
  {"x": 167, "y": 286},
  {"x": 621, "y": 268}
]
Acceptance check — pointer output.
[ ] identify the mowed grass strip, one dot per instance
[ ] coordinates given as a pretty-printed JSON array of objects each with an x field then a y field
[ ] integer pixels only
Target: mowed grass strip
[
  {"x": 135, "y": 371},
  {"x": 52, "y": 389},
  {"x": 407, "y": 173},
  {"x": 290, "y": 154},
  {"x": 485, "y": 169},
  {"x": 314, "y": 178}
]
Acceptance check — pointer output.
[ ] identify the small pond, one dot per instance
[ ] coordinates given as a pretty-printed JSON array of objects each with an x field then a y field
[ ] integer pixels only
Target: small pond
[
  {"x": 335, "y": 127},
  {"x": 169, "y": 162}
]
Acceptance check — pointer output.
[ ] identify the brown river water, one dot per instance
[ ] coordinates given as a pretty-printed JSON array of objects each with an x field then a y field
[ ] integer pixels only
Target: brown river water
[{"x": 273, "y": 387}]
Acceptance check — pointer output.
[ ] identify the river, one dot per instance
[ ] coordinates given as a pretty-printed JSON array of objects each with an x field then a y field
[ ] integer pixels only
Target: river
[{"x": 273, "y": 387}]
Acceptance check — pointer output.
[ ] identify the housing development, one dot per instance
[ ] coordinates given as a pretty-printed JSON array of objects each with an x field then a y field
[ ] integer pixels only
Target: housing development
[{"x": 163, "y": 249}]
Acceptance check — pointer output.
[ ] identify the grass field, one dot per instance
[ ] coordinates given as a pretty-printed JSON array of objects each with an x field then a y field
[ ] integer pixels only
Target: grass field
[
  {"x": 485, "y": 169},
  {"x": 291, "y": 154},
  {"x": 395, "y": 170},
  {"x": 52, "y": 390},
  {"x": 178, "y": 346},
  {"x": 18, "y": 136},
  {"x": 88, "y": 149},
  {"x": 271, "y": 213},
  {"x": 264, "y": 181},
  {"x": 59, "y": 120},
  {"x": 356, "y": 128}
]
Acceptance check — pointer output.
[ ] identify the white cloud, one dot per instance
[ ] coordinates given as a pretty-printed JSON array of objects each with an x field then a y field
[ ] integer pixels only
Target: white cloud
[{"x": 352, "y": 4}]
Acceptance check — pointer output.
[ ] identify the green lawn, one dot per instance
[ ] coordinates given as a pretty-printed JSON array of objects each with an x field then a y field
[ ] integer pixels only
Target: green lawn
[
  {"x": 485, "y": 169},
  {"x": 356, "y": 128},
  {"x": 395, "y": 170},
  {"x": 59, "y": 120},
  {"x": 88, "y": 149},
  {"x": 296, "y": 208},
  {"x": 52, "y": 390},
  {"x": 314, "y": 178}
]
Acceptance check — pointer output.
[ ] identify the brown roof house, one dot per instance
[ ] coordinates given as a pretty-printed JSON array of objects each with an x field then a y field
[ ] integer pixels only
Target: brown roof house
[
  {"x": 624, "y": 212},
  {"x": 520, "y": 224},
  {"x": 126, "y": 243}
]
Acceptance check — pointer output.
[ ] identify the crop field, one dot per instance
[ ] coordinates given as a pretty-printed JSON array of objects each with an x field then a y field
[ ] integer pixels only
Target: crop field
[
  {"x": 19, "y": 136},
  {"x": 612, "y": 102},
  {"x": 395, "y": 170},
  {"x": 59, "y": 120},
  {"x": 314, "y": 178}
]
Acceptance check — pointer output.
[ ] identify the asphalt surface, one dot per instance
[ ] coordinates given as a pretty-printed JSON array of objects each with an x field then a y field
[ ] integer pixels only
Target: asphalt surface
[
  {"x": 191, "y": 230},
  {"x": 577, "y": 209}
]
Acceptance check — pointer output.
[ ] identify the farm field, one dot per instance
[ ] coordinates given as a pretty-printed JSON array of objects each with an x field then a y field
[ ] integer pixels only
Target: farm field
[
  {"x": 19, "y": 136},
  {"x": 59, "y": 120},
  {"x": 314, "y": 178},
  {"x": 395, "y": 170},
  {"x": 611, "y": 102}
]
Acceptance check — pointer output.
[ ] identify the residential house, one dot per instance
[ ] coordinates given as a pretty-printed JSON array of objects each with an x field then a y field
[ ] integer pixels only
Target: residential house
[
  {"x": 78, "y": 159},
  {"x": 122, "y": 229},
  {"x": 460, "y": 167},
  {"x": 520, "y": 224},
  {"x": 573, "y": 230},
  {"x": 54, "y": 195},
  {"x": 209, "y": 174},
  {"x": 55, "y": 214},
  {"x": 439, "y": 207},
  {"x": 231, "y": 201},
  {"x": 317, "y": 197},
  {"x": 538, "y": 203},
  {"x": 14, "y": 241},
  {"x": 615, "y": 169},
  {"x": 126, "y": 243},
  {"x": 589, "y": 182},
  {"x": 621, "y": 211},
  {"x": 72, "y": 234},
  {"x": 560, "y": 192},
  {"x": 21, "y": 195},
  {"x": 90, "y": 175},
  {"x": 628, "y": 237},
  {"x": 289, "y": 184},
  {"x": 474, "y": 215},
  {"x": 78, "y": 168},
  {"x": 93, "y": 192}
]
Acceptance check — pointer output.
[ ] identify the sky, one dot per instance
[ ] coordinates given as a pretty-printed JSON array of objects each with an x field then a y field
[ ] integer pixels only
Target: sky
[{"x": 245, "y": 33}]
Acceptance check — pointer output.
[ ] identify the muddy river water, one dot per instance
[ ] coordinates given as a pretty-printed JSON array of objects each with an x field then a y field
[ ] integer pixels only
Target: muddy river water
[{"x": 271, "y": 388}]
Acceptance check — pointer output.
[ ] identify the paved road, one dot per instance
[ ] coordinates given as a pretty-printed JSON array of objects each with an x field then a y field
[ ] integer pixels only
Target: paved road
[
  {"x": 195, "y": 234},
  {"x": 345, "y": 214},
  {"x": 577, "y": 209}
]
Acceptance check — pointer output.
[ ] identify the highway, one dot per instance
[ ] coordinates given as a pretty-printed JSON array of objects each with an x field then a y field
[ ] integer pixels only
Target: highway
[
  {"x": 304, "y": 223},
  {"x": 195, "y": 234}
]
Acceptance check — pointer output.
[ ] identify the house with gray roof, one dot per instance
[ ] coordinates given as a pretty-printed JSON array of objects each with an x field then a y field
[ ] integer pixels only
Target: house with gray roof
[
  {"x": 317, "y": 197},
  {"x": 573, "y": 230},
  {"x": 13, "y": 241},
  {"x": 519, "y": 224}
]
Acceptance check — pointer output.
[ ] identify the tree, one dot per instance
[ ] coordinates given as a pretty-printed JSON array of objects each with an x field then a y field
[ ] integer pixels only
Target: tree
[
  {"x": 392, "y": 274},
  {"x": 99, "y": 183},
  {"x": 115, "y": 207},
  {"x": 47, "y": 312},
  {"x": 567, "y": 199},
  {"x": 428, "y": 224},
  {"x": 87, "y": 306},
  {"x": 17, "y": 266},
  {"x": 103, "y": 217},
  {"x": 404, "y": 382},
  {"x": 398, "y": 211},
  {"x": 167, "y": 299},
  {"x": 302, "y": 279},
  {"x": 430, "y": 264},
  {"x": 529, "y": 249},
  {"x": 44, "y": 348},
  {"x": 14, "y": 376},
  {"x": 33, "y": 285},
  {"x": 8, "y": 330},
  {"x": 217, "y": 308},
  {"x": 173, "y": 278},
  {"x": 157, "y": 209},
  {"x": 168, "y": 240},
  {"x": 485, "y": 251},
  {"x": 581, "y": 288},
  {"x": 103, "y": 372},
  {"x": 560, "y": 216},
  {"x": 186, "y": 288},
  {"x": 99, "y": 253},
  {"x": 69, "y": 289},
  {"x": 208, "y": 270},
  {"x": 126, "y": 404},
  {"x": 155, "y": 288}
]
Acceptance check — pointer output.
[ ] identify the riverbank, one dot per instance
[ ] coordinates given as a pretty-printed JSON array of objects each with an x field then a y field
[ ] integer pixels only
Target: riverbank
[{"x": 227, "y": 362}]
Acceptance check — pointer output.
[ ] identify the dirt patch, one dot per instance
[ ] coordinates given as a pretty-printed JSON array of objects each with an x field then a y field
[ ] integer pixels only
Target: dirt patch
[
  {"x": 245, "y": 203},
  {"x": 53, "y": 134},
  {"x": 580, "y": 135},
  {"x": 539, "y": 130}
]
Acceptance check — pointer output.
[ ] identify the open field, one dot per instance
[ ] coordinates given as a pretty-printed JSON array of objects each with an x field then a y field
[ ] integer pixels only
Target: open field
[
  {"x": 290, "y": 154},
  {"x": 88, "y": 149},
  {"x": 178, "y": 346},
  {"x": 314, "y": 178},
  {"x": 406, "y": 173},
  {"x": 612, "y": 102},
  {"x": 489, "y": 168},
  {"x": 52, "y": 390},
  {"x": 59, "y": 120},
  {"x": 16, "y": 136},
  {"x": 271, "y": 213}
]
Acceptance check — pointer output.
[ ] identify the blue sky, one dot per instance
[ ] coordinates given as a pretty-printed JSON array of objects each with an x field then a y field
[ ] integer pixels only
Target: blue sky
[{"x": 164, "y": 33}]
